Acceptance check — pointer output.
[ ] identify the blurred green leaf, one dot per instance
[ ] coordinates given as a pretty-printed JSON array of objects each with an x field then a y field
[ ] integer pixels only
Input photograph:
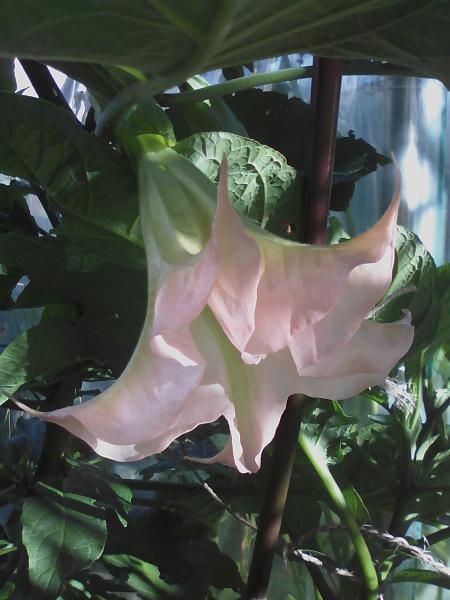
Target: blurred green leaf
[
  {"x": 420, "y": 576},
  {"x": 142, "y": 577},
  {"x": 106, "y": 488},
  {"x": 14, "y": 211},
  {"x": 215, "y": 567},
  {"x": 335, "y": 232},
  {"x": 355, "y": 504},
  {"x": 82, "y": 174},
  {"x": 110, "y": 314},
  {"x": 40, "y": 352},
  {"x": 6, "y": 592},
  {"x": 7, "y": 75}
]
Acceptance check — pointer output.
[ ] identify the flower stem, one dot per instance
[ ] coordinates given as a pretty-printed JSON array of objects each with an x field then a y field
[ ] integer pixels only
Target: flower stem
[
  {"x": 319, "y": 464},
  {"x": 325, "y": 101}
]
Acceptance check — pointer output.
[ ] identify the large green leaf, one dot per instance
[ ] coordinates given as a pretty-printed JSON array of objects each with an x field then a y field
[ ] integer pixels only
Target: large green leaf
[
  {"x": 95, "y": 245},
  {"x": 7, "y": 75},
  {"x": 14, "y": 211},
  {"x": 43, "y": 350},
  {"x": 193, "y": 36},
  {"x": 82, "y": 174},
  {"x": 62, "y": 533},
  {"x": 261, "y": 184}
]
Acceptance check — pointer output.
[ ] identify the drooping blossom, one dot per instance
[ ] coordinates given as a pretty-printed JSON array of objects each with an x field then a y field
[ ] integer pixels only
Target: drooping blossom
[{"x": 237, "y": 321}]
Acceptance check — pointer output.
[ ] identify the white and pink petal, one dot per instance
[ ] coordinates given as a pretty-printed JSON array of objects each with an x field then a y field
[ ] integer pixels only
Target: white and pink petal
[{"x": 269, "y": 290}]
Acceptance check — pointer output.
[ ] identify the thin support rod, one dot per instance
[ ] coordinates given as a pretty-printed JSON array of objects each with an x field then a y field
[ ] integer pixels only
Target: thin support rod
[
  {"x": 275, "y": 495},
  {"x": 325, "y": 93},
  {"x": 326, "y": 85}
]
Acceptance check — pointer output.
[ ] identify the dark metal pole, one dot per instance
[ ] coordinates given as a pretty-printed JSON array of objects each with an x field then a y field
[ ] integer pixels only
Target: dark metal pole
[
  {"x": 326, "y": 86},
  {"x": 43, "y": 82}
]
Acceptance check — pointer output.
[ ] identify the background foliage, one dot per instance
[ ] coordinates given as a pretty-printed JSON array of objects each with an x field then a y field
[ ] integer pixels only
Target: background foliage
[{"x": 75, "y": 526}]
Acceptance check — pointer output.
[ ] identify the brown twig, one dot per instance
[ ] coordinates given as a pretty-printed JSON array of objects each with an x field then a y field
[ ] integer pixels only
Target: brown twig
[
  {"x": 286, "y": 550},
  {"x": 402, "y": 543},
  {"x": 227, "y": 507},
  {"x": 325, "y": 100}
]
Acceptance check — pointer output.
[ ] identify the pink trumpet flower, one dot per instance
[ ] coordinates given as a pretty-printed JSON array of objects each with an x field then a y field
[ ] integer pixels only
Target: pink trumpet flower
[{"x": 237, "y": 321}]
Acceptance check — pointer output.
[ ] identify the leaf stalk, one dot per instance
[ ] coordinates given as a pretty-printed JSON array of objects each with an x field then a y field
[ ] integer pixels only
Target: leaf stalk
[{"x": 318, "y": 463}]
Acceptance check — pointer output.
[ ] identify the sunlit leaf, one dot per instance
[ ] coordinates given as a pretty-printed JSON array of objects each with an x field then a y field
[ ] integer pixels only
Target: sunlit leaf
[
  {"x": 261, "y": 184},
  {"x": 414, "y": 272}
]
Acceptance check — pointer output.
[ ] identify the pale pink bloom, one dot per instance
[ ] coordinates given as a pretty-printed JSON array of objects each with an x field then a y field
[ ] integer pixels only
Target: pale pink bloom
[{"x": 240, "y": 320}]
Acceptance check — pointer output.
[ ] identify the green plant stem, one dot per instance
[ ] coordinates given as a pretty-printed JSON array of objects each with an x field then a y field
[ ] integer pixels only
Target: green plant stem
[
  {"x": 397, "y": 524},
  {"x": 235, "y": 85},
  {"x": 318, "y": 463},
  {"x": 291, "y": 74}
]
